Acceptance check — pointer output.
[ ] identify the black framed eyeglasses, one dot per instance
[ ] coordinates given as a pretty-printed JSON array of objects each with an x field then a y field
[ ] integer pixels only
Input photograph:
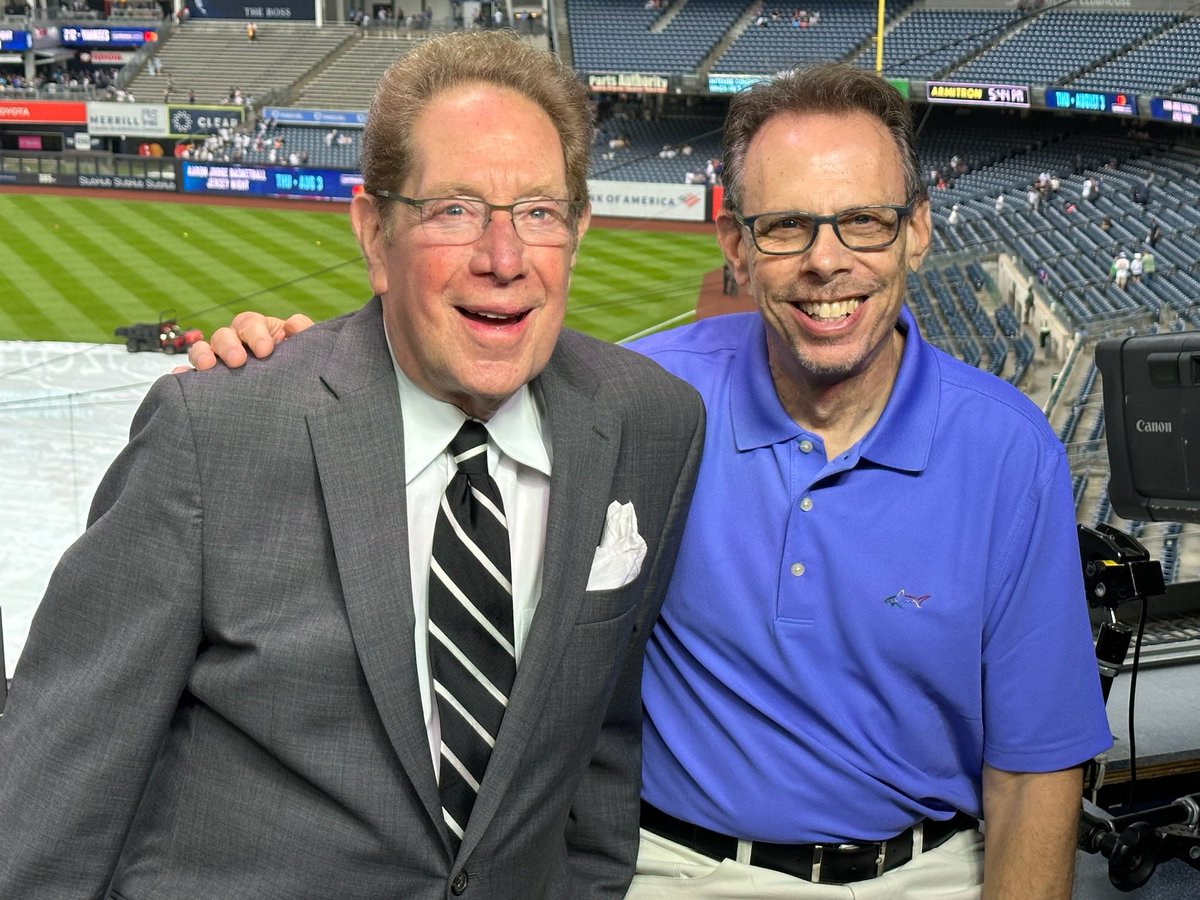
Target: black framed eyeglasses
[
  {"x": 542, "y": 222},
  {"x": 858, "y": 228}
]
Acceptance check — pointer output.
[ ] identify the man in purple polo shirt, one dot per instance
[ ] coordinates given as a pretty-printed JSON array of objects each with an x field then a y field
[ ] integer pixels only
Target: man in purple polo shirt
[{"x": 876, "y": 631}]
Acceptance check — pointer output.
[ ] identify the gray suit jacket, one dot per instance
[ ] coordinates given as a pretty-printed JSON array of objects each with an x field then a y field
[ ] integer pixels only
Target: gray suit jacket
[{"x": 218, "y": 697}]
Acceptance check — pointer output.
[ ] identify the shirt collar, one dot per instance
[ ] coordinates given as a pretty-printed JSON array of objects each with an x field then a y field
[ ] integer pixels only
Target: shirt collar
[
  {"x": 430, "y": 424},
  {"x": 900, "y": 439}
]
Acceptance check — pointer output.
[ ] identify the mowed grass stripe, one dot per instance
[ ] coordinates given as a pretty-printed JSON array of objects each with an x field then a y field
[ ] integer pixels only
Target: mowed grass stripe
[
  {"x": 287, "y": 238},
  {"x": 48, "y": 262},
  {"x": 240, "y": 267},
  {"x": 83, "y": 277},
  {"x": 271, "y": 236},
  {"x": 88, "y": 233},
  {"x": 240, "y": 257}
]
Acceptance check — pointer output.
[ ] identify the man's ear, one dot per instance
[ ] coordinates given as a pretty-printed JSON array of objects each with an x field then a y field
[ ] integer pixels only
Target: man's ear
[
  {"x": 919, "y": 232},
  {"x": 581, "y": 227},
  {"x": 368, "y": 229},
  {"x": 732, "y": 238}
]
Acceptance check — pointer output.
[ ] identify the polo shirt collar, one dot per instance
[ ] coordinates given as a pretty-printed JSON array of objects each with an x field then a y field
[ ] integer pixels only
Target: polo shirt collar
[{"x": 902, "y": 437}]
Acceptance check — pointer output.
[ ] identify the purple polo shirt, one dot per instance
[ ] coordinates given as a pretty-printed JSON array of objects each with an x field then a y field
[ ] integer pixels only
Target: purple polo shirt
[{"x": 845, "y": 643}]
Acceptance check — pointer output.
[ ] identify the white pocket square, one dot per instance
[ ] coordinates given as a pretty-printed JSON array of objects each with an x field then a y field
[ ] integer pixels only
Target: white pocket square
[{"x": 621, "y": 552}]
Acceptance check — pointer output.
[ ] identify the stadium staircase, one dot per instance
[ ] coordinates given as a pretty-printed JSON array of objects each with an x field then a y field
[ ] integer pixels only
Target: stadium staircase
[
  {"x": 348, "y": 79},
  {"x": 282, "y": 54}
]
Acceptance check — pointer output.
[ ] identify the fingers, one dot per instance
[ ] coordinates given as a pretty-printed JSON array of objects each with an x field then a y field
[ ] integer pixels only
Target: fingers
[
  {"x": 226, "y": 346},
  {"x": 296, "y": 324},
  {"x": 258, "y": 332},
  {"x": 201, "y": 356},
  {"x": 248, "y": 330}
]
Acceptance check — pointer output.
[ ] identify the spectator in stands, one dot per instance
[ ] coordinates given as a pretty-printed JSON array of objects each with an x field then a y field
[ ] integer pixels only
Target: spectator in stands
[
  {"x": 1135, "y": 268},
  {"x": 330, "y": 137},
  {"x": 1155, "y": 233},
  {"x": 1120, "y": 269},
  {"x": 1148, "y": 263},
  {"x": 185, "y": 736},
  {"x": 1141, "y": 193},
  {"x": 806, "y": 720},
  {"x": 1106, "y": 224},
  {"x": 1088, "y": 191},
  {"x": 999, "y": 204},
  {"x": 952, "y": 219},
  {"x": 251, "y": 32},
  {"x": 1034, "y": 198},
  {"x": 191, "y": 96}
]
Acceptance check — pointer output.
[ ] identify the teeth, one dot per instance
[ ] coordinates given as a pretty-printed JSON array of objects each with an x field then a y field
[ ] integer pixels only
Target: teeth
[
  {"x": 835, "y": 310},
  {"x": 492, "y": 315}
]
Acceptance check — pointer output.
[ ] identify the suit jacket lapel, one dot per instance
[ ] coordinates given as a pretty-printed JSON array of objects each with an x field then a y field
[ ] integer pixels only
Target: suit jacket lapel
[
  {"x": 358, "y": 443},
  {"x": 586, "y": 440}
]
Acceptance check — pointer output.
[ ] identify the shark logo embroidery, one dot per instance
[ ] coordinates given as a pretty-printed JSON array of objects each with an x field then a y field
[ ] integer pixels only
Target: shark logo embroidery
[{"x": 902, "y": 597}]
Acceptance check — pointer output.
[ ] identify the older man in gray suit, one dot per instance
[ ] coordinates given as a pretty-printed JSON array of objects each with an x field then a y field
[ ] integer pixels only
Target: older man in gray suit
[{"x": 237, "y": 684}]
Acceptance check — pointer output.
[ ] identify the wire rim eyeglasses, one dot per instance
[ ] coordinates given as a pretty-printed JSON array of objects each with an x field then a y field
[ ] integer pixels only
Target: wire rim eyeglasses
[
  {"x": 539, "y": 222},
  {"x": 858, "y": 228}
]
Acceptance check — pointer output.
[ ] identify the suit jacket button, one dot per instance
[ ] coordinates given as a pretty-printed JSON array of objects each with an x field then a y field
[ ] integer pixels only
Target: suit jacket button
[{"x": 459, "y": 884}]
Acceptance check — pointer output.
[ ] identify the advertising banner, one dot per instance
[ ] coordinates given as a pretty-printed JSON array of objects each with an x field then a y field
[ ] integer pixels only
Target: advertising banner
[
  {"x": 105, "y": 182},
  {"x": 42, "y": 112},
  {"x": 285, "y": 115},
  {"x": 184, "y": 121},
  {"x": 99, "y": 36},
  {"x": 108, "y": 119},
  {"x": 1116, "y": 103},
  {"x": 648, "y": 200},
  {"x": 731, "y": 83},
  {"x": 105, "y": 57},
  {"x": 271, "y": 181},
  {"x": 15, "y": 40},
  {"x": 299, "y": 10},
  {"x": 629, "y": 83},
  {"x": 1185, "y": 112},
  {"x": 972, "y": 94}
]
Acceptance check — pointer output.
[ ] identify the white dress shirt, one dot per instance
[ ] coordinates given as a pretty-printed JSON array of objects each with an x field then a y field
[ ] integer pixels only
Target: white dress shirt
[{"x": 519, "y": 458}]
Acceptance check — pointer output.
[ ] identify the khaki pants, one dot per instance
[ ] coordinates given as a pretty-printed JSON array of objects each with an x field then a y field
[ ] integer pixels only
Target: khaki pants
[{"x": 669, "y": 871}]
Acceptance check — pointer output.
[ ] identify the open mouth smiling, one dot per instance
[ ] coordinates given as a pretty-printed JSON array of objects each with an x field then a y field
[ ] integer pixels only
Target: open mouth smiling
[{"x": 829, "y": 310}]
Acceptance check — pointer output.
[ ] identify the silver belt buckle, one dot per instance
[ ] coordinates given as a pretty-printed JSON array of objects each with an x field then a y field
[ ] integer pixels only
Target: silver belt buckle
[
  {"x": 818, "y": 854},
  {"x": 880, "y": 855}
]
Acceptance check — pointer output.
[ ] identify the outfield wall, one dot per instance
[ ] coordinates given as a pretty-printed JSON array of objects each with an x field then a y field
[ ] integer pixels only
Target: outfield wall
[{"x": 164, "y": 175}]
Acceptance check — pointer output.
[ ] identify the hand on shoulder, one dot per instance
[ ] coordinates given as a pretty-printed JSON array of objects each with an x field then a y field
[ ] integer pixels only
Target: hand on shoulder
[{"x": 250, "y": 330}]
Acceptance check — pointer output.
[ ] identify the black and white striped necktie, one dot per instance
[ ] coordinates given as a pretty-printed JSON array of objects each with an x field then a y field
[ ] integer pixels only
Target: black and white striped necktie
[{"x": 471, "y": 652}]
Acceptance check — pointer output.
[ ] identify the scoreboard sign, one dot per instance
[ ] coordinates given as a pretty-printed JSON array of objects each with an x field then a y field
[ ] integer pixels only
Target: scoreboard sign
[
  {"x": 1115, "y": 103},
  {"x": 16, "y": 41},
  {"x": 1185, "y": 112},
  {"x": 977, "y": 94},
  {"x": 97, "y": 36},
  {"x": 271, "y": 181}
]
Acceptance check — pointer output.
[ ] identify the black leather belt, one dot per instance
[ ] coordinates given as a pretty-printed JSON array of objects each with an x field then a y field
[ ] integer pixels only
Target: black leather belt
[{"x": 818, "y": 863}]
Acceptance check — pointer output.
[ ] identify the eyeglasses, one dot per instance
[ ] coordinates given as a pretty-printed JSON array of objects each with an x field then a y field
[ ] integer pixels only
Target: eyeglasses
[
  {"x": 462, "y": 220},
  {"x": 860, "y": 228}
]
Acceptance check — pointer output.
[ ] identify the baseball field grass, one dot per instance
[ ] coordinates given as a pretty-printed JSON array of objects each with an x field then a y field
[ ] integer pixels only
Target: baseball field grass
[{"x": 74, "y": 268}]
